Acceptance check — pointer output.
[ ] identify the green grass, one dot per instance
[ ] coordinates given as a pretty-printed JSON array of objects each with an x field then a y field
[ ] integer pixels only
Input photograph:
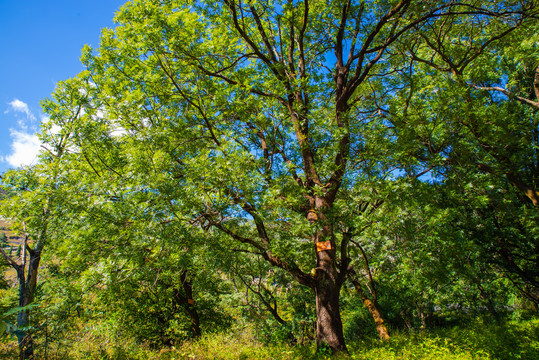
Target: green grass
[{"x": 504, "y": 341}]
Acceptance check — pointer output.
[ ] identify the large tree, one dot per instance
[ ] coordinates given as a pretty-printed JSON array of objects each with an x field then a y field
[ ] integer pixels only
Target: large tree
[{"x": 261, "y": 119}]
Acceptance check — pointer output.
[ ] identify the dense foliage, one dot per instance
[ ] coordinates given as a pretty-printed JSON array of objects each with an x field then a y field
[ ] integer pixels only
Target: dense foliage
[{"x": 290, "y": 173}]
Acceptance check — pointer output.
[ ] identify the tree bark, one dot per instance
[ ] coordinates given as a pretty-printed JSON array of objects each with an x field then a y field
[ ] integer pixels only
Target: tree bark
[
  {"x": 27, "y": 289},
  {"x": 327, "y": 285},
  {"x": 371, "y": 305},
  {"x": 190, "y": 304},
  {"x": 374, "y": 310},
  {"x": 536, "y": 83},
  {"x": 329, "y": 331}
]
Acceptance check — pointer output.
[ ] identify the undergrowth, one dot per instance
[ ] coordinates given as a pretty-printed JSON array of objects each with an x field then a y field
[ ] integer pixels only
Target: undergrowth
[{"x": 504, "y": 341}]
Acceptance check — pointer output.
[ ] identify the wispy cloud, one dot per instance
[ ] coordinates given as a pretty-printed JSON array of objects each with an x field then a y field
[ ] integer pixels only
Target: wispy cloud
[
  {"x": 25, "y": 144},
  {"x": 20, "y": 106}
]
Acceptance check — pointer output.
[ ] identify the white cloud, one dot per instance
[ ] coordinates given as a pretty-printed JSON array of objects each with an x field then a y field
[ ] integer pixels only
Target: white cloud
[
  {"x": 21, "y": 107},
  {"x": 25, "y": 144},
  {"x": 25, "y": 148}
]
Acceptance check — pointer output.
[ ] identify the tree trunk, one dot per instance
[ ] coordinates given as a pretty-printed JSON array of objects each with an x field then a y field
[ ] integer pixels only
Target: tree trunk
[
  {"x": 27, "y": 289},
  {"x": 329, "y": 330},
  {"x": 190, "y": 304},
  {"x": 26, "y": 349},
  {"x": 371, "y": 305},
  {"x": 374, "y": 310},
  {"x": 26, "y": 344},
  {"x": 536, "y": 83},
  {"x": 381, "y": 327},
  {"x": 407, "y": 319},
  {"x": 423, "y": 318}
]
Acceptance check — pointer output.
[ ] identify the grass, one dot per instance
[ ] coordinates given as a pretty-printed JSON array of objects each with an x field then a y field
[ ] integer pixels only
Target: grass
[
  {"x": 504, "y": 341},
  {"x": 509, "y": 340}
]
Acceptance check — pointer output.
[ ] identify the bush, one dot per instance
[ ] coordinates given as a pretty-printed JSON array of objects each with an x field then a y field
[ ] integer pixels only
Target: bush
[{"x": 504, "y": 340}]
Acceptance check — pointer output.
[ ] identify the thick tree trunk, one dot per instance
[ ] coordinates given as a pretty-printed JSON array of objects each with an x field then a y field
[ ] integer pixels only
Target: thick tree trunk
[{"x": 329, "y": 331}]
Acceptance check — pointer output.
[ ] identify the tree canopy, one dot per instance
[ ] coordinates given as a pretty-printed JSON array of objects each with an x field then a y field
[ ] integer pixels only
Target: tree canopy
[{"x": 310, "y": 135}]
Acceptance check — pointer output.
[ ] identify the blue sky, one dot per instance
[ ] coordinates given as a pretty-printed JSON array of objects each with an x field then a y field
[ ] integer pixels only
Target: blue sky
[{"x": 41, "y": 43}]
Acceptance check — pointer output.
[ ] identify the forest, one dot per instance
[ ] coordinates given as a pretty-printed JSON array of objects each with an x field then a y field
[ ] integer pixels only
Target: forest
[{"x": 294, "y": 179}]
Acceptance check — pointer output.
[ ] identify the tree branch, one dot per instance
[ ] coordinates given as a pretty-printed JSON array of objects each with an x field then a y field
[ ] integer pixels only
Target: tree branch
[{"x": 506, "y": 92}]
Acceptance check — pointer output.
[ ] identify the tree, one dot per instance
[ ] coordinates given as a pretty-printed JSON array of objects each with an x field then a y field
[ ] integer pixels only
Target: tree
[
  {"x": 36, "y": 209},
  {"x": 127, "y": 244},
  {"x": 31, "y": 208},
  {"x": 260, "y": 120},
  {"x": 476, "y": 129}
]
